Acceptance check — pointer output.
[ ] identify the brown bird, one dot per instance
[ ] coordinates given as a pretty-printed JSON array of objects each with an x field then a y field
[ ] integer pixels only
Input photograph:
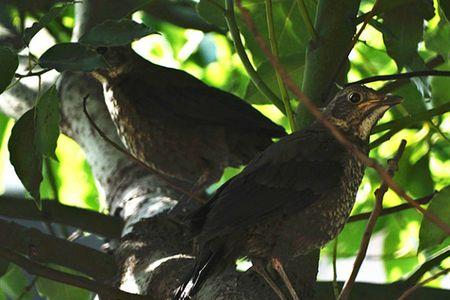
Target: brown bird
[
  {"x": 291, "y": 199},
  {"x": 176, "y": 123}
]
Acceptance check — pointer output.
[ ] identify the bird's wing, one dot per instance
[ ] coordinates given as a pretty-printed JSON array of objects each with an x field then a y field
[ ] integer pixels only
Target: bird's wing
[
  {"x": 183, "y": 96},
  {"x": 286, "y": 178}
]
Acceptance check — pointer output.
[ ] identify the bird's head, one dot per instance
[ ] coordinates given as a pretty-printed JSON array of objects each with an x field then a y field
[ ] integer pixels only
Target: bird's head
[
  {"x": 118, "y": 60},
  {"x": 356, "y": 109}
]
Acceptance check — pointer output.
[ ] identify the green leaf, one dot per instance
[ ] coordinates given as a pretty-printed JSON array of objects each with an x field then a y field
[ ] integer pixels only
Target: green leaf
[
  {"x": 212, "y": 12},
  {"x": 25, "y": 158},
  {"x": 31, "y": 31},
  {"x": 47, "y": 122},
  {"x": 115, "y": 33},
  {"x": 14, "y": 282},
  {"x": 9, "y": 63},
  {"x": 34, "y": 136},
  {"x": 294, "y": 65},
  {"x": 52, "y": 290},
  {"x": 437, "y": 39},
  {"x": 72, "y": 57},
  {"x": 430, "y": 235},
  {"x": 406, "y": 25},
  {"x": 3, "y": 267}
]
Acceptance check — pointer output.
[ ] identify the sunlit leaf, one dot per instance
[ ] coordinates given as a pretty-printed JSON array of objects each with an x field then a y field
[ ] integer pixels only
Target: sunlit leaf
[
  {"x": 31, "y": 31},
  {"x": 25, "y": 158},
  {"x": 47, "y": 122},
  {"x": 52, "y": 290},
  {"x": 9, "y": 63},
  {"x": 115, "y": 33},
  {"x": 72, "y": 57},
  {"x": 430, "y": 235}
]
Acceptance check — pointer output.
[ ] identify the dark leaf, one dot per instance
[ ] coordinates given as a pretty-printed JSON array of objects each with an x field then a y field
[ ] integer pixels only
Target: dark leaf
[
  {"x": 9, "y": 63},
  {"x": 3, "y": 267},
  {"x": 212, "y": 12},
  {"x": 31, "y": 31},
  {"x": 24, "y": 156},
  {"x": 445, "y": 6},
  {"x": 430, "y": 235},
  {"x": 72, "y": 57},
  {"x": 47, "y": 122},
  {"x": 406, "y": 25},
  {"x": 115, "y": 33}
]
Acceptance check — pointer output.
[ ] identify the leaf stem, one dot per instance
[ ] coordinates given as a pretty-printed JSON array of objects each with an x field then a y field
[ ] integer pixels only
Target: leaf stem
[
  {"x": 240, "y": 49},
  {"x": 307, "y": 19},
  {"x": 281, "y": 85}
]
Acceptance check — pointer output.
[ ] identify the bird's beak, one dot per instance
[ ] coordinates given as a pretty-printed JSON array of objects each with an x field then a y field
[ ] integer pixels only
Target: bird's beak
[{"x": 391, "y": 100}]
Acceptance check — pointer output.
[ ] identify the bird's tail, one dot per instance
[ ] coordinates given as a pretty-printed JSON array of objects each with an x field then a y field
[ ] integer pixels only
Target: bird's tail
[{"x": 204, "y": 266}]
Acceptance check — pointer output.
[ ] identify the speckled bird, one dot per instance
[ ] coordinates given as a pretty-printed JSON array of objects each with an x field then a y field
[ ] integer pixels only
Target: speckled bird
[
  {"x": 178, "y": 124},
  {"x": 291, "y": 199}
]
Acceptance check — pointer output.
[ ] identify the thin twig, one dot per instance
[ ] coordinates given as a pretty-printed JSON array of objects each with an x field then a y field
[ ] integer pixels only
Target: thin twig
[
  {"x": 391, "y": 210},
  {"x": 411, "y": 290},
  {"x": 333, "y": 130},
  {"x": 406, "y": 75},
  {"x": 152, "y": 170},
  {"x": 281, "y": 85},
  {"x": 31, "y": 74},
  {"x": 425, "y": 267},
  {"x": 240, "y": 50},
  {"x": 28, "y": 288},
  {"x": 38, "y": 269},
  {"x": 379, "y": 195}
]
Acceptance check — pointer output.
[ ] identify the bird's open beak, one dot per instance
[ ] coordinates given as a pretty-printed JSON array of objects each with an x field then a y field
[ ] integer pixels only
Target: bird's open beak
[{"x": 391, "y": 100}]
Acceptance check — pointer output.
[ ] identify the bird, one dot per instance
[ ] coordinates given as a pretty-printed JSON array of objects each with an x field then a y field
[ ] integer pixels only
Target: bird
[
  {"x": 292, "y": 198},
  {"x": 177, "y": 124}
]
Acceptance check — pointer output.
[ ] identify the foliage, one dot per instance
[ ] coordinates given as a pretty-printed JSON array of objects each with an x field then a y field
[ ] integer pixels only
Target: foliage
[{"x": 403, "y": 36}]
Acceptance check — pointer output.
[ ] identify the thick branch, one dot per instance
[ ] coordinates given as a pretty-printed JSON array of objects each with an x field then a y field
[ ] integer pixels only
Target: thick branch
[
  {"x": 48, "y": 249},
  {"x": 55, "y": 212},
  {"x": 335, "y": 26},
  {"x": 82, "y": 282}
]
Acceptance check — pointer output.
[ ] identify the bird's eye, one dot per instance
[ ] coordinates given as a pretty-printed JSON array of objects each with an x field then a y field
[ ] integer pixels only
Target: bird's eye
[
  {"x": 101, "y": 50},
  {"x": 354, "y": 97}
]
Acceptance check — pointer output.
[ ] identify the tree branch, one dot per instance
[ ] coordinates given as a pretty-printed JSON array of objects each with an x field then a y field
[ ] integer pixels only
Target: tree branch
[
  {"x": 425, "y": 267},
  {"x": 240, "y": 50},
  {"x": 48, "y": 249},
  {"x": 333, "y": 130},
  {"x": 374, "y": 291},
  {"x": 35, "y": 268},
  {"x": 86, "y": 220},
  {"x": 391, "y": 210},
  {"x": 379, "y": 195},
  {"x": 406, "y": 75},
  {"x": 411, "y": 290}
]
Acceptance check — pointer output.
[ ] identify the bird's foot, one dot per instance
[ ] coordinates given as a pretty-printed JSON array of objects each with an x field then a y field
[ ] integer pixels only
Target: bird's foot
[
  {"x": 260, "y": 268},
  {"x": 278, "y": 266}
]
